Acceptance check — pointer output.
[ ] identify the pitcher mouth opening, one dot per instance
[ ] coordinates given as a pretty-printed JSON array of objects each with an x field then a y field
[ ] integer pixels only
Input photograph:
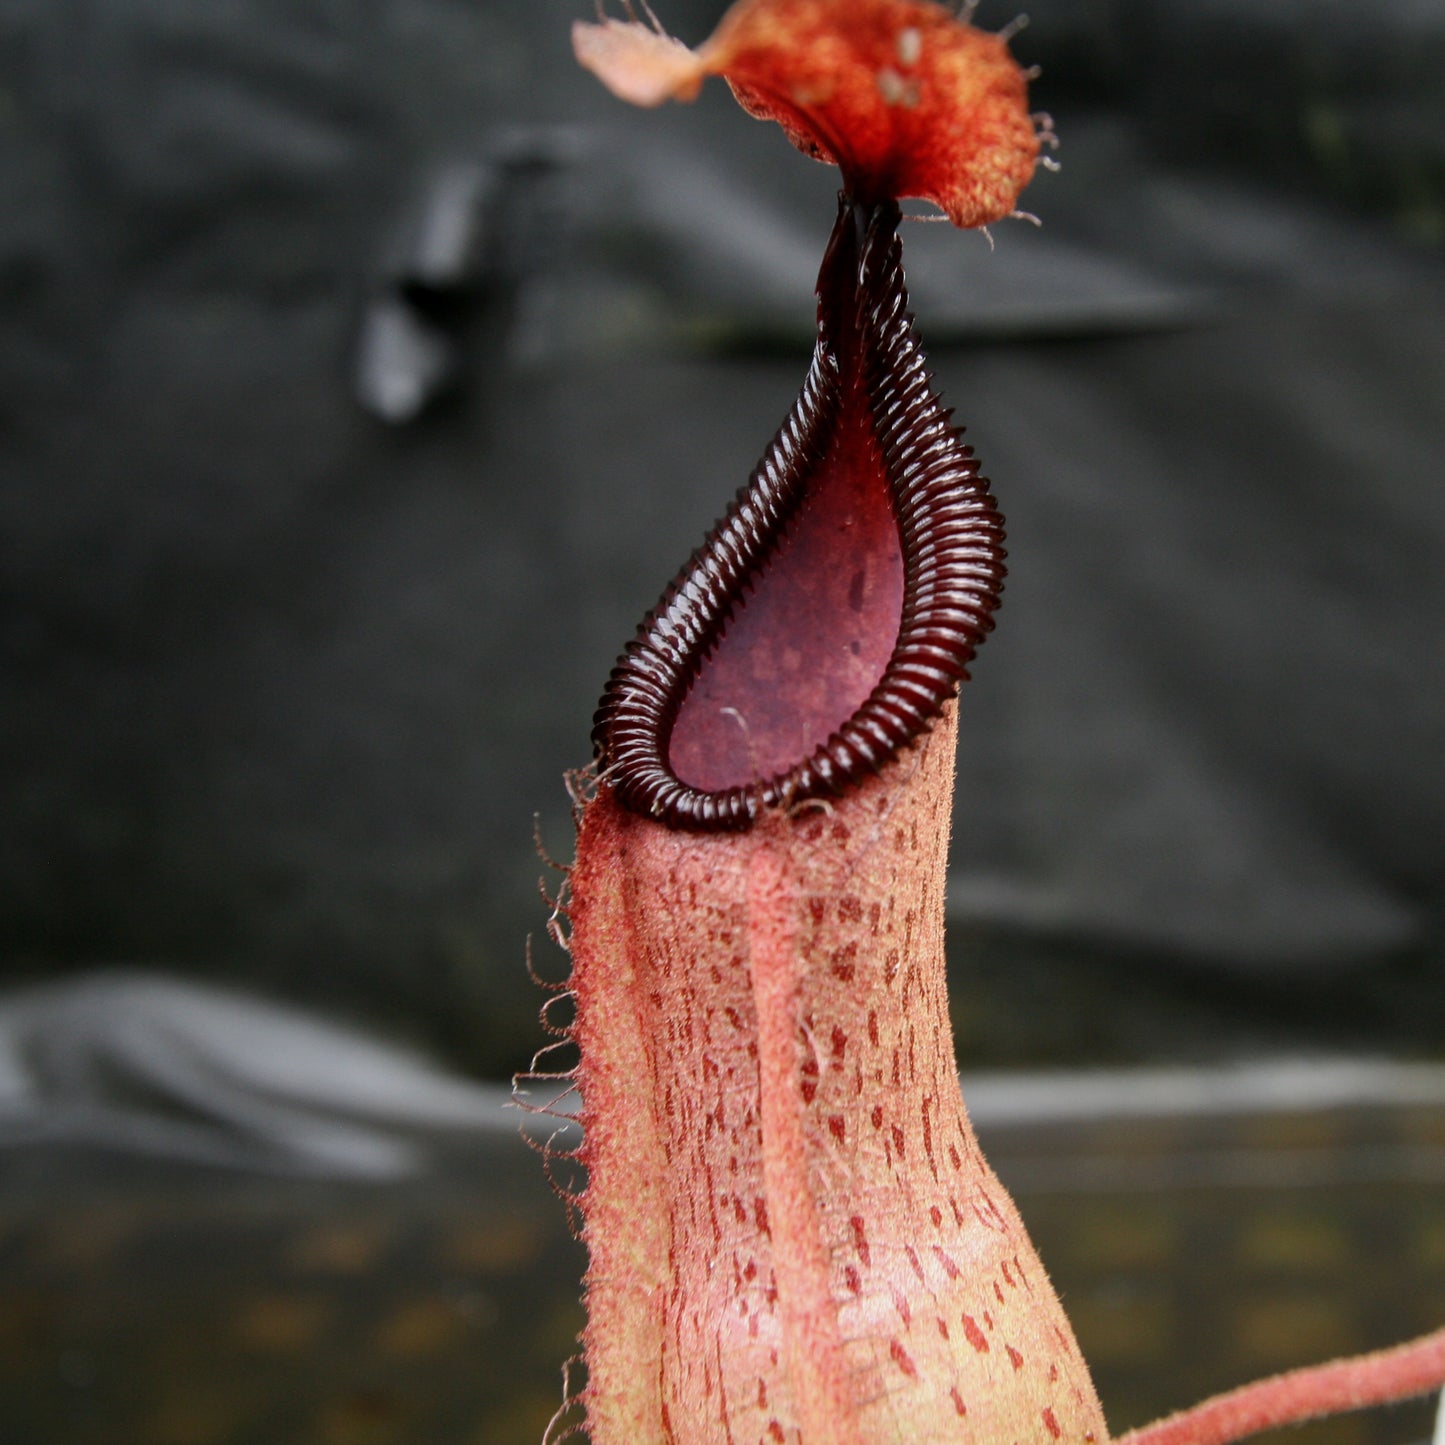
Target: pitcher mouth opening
[{"x": 833, "y": 610}]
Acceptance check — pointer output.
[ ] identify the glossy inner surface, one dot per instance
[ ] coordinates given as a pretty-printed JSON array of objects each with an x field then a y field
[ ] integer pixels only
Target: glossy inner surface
[{"x": 814, "y": 632}]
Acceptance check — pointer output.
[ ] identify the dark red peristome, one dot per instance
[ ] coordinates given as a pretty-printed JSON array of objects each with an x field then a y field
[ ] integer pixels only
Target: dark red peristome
[{"x": 832, "y": 612}]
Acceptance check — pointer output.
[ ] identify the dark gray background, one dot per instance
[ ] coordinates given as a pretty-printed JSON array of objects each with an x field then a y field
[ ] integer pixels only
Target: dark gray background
[{"x": 284, "y": 682}]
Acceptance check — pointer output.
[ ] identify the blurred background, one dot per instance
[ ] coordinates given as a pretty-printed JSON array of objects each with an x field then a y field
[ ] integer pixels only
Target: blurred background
[{"x": 366, "y": 371}]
